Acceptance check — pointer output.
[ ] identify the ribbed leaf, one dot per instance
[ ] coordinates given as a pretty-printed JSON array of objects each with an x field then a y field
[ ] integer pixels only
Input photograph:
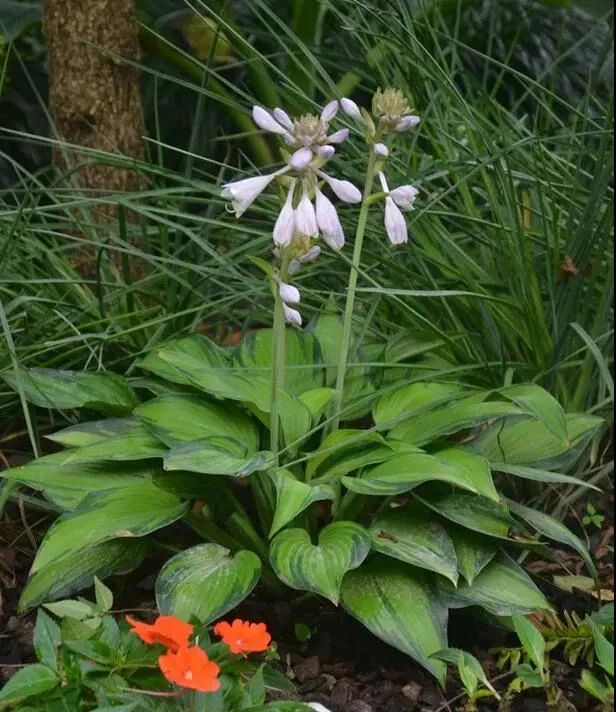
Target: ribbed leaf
[
  {"x": 93, "y": 432},
  {"x": 104, "y": 392},
  {"x": 533, "y": 473},
  {"x": 78, "y": 570},
  {"x": 415, "y": 536},
  {"x": 28, "y": 682},
  {"x": 395, "y": 602},
  {"x": 344, "y": 451},
  {"x": 501, "y": 587},
  {"x": 294, "y": 497},
  {"x": 302, "y": 565},
  {"x": 412, "y": 399},
  {"x": 128, "y": 512},
  {"x": 216, "y": 456},
  {"x": 175, "y": 419},
  {"x": 541, "y": 405},
  {"x": 473, "y": 551},
  {"x": 205, "y": 582}
]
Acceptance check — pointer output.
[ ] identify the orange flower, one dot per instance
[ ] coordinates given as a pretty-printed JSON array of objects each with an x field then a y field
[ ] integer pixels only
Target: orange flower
[
  {"x": 166, "y": 630},
  {"x": 243, "y": 637},
  {"x": 190, "y": 667}
]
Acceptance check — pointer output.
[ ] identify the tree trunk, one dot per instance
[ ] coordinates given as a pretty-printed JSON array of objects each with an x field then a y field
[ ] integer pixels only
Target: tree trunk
[{"x": 94, "y": 95}]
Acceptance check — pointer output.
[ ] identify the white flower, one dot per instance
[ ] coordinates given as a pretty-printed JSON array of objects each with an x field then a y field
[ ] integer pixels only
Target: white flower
[
  {"x": 350, "y": 108},
  {"x": 284, "y": 228},
  {"x": 395, "y": 224},
  {"x": 404, "y": 196},
  {"x": 338, "y": 136},
  {"x": 407, "y": 122},
  {"x": 381, "y": 150},
  {"x": 244, "y": 192},
  {"x": 264, "y": 120},
  {"x": 283, "y": 119},
  {"x": 301, "y": 159},
  {"x": 305, "y": 217},
  {"x": 329, "y": 111},
  {"x": 345, "y": 190},
  {"x": 311, "y": 255},
  {"x": 288, "y": 293},
  {"x": 292, "y": 316},
  {"x": 326, "y": 152},
  {"x": 328, "y": 220},
  {"x": 318, "y": 707}
]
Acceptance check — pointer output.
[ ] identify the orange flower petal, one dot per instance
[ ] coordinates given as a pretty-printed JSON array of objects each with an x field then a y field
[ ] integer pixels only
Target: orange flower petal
[
  {"x": 243, "y": 637},
  {"x": 190, "y": 667},
  {"x": 169, "y": 631}
]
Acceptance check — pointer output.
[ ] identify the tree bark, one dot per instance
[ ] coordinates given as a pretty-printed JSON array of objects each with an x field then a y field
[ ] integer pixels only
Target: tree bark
[{"x": 94, "y": 95}]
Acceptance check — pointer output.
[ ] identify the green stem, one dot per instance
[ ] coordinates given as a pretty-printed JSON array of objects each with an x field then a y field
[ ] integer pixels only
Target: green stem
[
  {"x": 278, "y": 364},
  {"x": 347, "y": 324}
]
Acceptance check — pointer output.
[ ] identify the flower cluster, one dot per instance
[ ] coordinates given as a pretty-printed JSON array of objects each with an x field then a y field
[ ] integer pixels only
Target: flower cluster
[{"x": 188, "y": 665}]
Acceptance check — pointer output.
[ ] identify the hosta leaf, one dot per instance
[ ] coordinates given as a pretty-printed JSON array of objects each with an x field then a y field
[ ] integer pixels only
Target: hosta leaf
[
  {"x": 302, "y": 565},
  {"x": 460, "y": 415},
  {"x": 403, "y": 472},
  {"x": 195, "y": 349},
  {"x": 295, "y": 418},
  {"x": 553, "y": 529},
  {"x": 417, "y": 537},
  {"x": 476, "y": 513},
  {"x": 529, "y": 442},
  {"x": 532, "y": 473},
  {"x": 205, "y": 582},
  {"x": 501, "y": 587},
  {"x": 412, "y": 399},
  {"x": 541, "y": 405},
  {"x": 317, "y": 400},
  {"x": 293, "y": 497},
  {"x": 28, "y": 682},
  {"x": 104, "y": 392},
  {"x": 175, "y": 419},
  {"x": 327, "y": 328},
  {"x": 395, "y": 602},
  {"x": 404, "y": 345},
  {"x": 303, "y": 372},
  {"x": 473, "y": 551},
  {"x": 344, "y": 451},
  {"x": 67, "y": 484},
  {"x": 216, "y": 456},
  {"x": 135, "y": 443},
  {"x": 93, "y": 432},
  {"x": 77, "y": 571},
  {"x": 128, "y": 512}
]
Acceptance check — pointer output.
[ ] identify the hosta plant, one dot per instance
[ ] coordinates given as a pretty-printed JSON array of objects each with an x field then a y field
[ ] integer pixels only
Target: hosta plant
[{"x": 313, "y": 460}]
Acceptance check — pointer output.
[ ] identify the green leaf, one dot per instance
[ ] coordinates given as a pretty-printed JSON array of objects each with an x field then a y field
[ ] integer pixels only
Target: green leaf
[
  {"x": 327, "y": 328},
  {"x": 460, "y": 415},
  {"x": 136, "y": 443},
  {"x": 473, "y": 551},
  {"x": 344, "y": 451},
  {"x": 176, "y": 418},
  {"x": 553, "y": 529},
  {"x": 317, "y": 400},
  {"x": 403, "y": 472},
  {"x": 469, "y": 668},
  {"x": 104, "y": 597},
  {"x": 93, "y": 432},
  {"x": 70, "y": 608},
  {"x": 77, "y": 571},
  {"x": 16, "y": 17},
  {"x": 532, "y": 473},
  {"x": 604, "y": 616},
  {"x": 500, "y": 587},
  {"x": 395, "y": 602},
  {"x": 303, "y": 369},
  {"x": 303, "y": 566},
  {"x": 476, "y": 513},
  {"x": 413, "y": 399},
  {"x": 205, "y": 582},
  {"x": 62, "y": 390},
  {"x": 68, "y": 484},
  {"x": 537, "y": 402},
  {"x": 46, "y": 639},
  {"x": 28, "y": 682},
  {"x": 529, "y": 442},
  {"x": 415, "y": 536},
  {"x": 529, "y": 676},
  {"x": 531, "y": 639},
  {"x": 603, "y": 648},
  {"x": 195, "y": 349},
  {"x": 294, "y": 497},
  {"x": 217, "y": 456},
  {"x": 404, "y": 345},
  {"x": 595, "y": 687},
  {"x": 129, "y": 512},
  {"x": 295, "y": 418}
]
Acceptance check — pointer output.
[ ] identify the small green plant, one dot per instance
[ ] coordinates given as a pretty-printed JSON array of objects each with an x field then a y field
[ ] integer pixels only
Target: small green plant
[
  {"x": 471, "y": 676},
  {"x": 593, "y": 517},
  {"x": 601, "y": 684},
  {"x": 88, "y": 660}
]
